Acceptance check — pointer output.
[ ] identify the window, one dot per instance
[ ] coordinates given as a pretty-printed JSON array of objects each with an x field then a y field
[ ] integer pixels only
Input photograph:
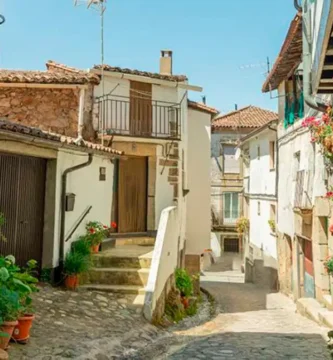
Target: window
[
  {"x": 230, "y": 164},
  {"x": 294, "y": 100},
  {"x": 231, "y": 207},
  {"x": 258, "y": 208},
  {"x": 297, "y": 158},
  {"x": 272, "y": 155}
]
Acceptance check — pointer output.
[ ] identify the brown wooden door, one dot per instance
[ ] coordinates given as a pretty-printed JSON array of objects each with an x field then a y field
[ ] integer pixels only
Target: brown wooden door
[
  {"x": 141, "y": 113},
  {"x": 22, "y": 193},
  {"x": 132, "y": 195}
]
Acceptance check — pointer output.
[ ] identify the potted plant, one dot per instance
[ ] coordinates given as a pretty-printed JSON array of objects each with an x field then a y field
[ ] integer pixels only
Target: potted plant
[
  {"x": 75, "y": 264},
  {"x": 9, "y": 310},
  {"x": 22, "y": 330},
  {"x": 96, "y": 232},
  {"x": 185, "y": 285},
  {"x": 82, "y": 246},
  {"x": 328, "y": 264},
  {"x": 242, "y": 225},
  {"x": 272, "y": 225}
]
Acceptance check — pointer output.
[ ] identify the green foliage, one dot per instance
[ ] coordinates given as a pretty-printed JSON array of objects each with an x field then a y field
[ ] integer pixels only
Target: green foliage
[
  {"x": 184, "y": 282},
  {"x": 96, "y": 232},
  {"x": 45, "y": 275},
  {"x": 76, "y": 263},
  {"x": 20, "y": 281},
  {"x": 242, "y": 225},
  {"x": 82, "y": 246},
  {"x": 272, "y": 225},
  {"x": 328, "y": 263},
  {"x": 10, "y": 306},
  {"x": 175, "y": 314},
  {"x": 192, "y": 309}
]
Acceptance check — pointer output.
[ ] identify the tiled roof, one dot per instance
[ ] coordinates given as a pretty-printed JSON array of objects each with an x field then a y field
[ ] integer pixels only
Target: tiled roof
[
  {"x": 202, "y": 107},
  {"x": 289, "y": 58},
  {"x": 55, "y": 66},
  {"x": 66, "y": 140},
  {"x": 175, "y": 78},
  {"x": 247, "y": 117},
  {"x": 46, "y": 77}
]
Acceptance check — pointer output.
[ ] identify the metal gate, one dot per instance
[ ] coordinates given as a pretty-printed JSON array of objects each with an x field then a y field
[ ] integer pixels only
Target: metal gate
[{"x": 22, "y": 192}]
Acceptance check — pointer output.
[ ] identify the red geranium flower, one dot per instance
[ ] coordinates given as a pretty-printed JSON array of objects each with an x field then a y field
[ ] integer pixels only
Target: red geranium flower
[
  {"x": 105, "y": 227},
  {"x": 92, "y": 231},
  {"x": 114, "y": 225},
  {"x": 329, "y": 194}
]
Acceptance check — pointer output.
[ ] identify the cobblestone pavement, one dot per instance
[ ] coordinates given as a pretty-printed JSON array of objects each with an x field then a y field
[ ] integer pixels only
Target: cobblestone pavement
[
  {"x": 84, "y": 325},
  {"x": 251, "y": 323}
]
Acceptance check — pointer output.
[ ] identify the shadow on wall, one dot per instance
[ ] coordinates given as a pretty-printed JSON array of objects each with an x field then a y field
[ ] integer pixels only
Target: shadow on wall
[{"x": 264, "y": 276}]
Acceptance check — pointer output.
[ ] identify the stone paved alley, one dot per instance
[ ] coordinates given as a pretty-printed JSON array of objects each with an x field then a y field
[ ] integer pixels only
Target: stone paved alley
[{"x": 249, "y": 323}]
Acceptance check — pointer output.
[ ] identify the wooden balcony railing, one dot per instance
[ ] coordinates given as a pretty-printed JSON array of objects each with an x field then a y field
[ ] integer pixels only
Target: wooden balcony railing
[{"x": 138, "y": 117}]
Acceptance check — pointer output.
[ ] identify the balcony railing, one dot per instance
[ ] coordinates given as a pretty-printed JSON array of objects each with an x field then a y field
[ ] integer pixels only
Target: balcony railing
[{"x": 138, "y": 117}]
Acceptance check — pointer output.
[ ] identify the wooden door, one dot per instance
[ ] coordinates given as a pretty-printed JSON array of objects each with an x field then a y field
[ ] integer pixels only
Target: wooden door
[
  {"x": 22, "y": 193},
  {"x": 141, "y": 113},
  {"x": 132, "y": 195}
]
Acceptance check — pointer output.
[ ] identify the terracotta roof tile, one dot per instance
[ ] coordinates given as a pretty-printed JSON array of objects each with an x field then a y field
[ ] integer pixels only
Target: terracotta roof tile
[
  {"x": 66, "y": 140},
  {"x": 46, "y": 77},
  {"x": 202, "y": 107},
  {"x": 247, "y": 117},
  {"x": 55, "y": 66},
  {"x": 289, "y": 58},
  {"x": 175, "y": 78}
]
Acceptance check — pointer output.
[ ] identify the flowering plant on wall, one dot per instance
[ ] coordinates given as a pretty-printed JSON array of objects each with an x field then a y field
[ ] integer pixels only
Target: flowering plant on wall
[
  {"x": 242, "y": 225},
  {"x": 328, "y": 264},
  {"x": 322, "y": 131}
]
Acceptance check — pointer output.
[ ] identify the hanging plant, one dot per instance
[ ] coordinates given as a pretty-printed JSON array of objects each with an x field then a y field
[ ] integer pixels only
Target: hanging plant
[
  {"x": 242, "y": 225},
  {"x": 328, "y": 264}
]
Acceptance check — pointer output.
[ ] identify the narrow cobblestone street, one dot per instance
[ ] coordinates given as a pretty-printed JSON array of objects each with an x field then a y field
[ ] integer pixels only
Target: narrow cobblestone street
[{"x": 251, "y": 323}]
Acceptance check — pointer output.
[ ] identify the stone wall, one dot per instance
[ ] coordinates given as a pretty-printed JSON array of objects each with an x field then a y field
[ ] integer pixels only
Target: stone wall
[{"x": 53, "y": 110}]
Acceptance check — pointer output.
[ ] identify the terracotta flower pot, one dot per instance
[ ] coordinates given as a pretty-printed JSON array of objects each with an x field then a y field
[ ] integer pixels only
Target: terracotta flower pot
[
  {"x": 95, "y": 248},
  {"x": 22, "y": 329},
  {"x": 72, "y": 282},
  {"x": 8, "y": 328}
]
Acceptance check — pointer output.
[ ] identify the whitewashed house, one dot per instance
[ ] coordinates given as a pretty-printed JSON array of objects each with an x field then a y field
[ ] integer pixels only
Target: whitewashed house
[
  {"x": 260, "y": 204},
  {"x": 159, "y": 194},
  {"x": 302, "y": 76}
]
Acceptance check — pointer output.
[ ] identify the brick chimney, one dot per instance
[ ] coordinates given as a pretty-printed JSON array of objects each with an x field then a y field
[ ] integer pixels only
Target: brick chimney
[{"x": 166, "y": 62}]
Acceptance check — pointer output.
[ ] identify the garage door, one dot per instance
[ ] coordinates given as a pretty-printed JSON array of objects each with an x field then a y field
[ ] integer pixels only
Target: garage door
[{"x": 22, "y": 192}]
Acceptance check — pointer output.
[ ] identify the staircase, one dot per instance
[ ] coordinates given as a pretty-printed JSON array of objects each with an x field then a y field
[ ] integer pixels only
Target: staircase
[{"x": 122, "y": 269}]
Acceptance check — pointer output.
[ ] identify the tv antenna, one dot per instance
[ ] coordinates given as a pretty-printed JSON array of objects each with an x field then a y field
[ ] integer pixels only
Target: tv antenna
[{"x": 100, "y": 7}]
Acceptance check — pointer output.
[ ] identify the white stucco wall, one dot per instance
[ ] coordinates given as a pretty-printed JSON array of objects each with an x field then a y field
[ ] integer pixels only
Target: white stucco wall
[
  {"x": 85, "y": 184},
  {"x": 297, "y": 139},
  {"x": 198, "y": 200},
  {"x": 262, "y": 178},
  {"x": 262, "y": 192},
  {"x": 260, "y": 233}
]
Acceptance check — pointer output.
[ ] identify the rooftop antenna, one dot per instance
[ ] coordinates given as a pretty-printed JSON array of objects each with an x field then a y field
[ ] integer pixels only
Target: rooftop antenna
[{"x": 100, "y": 7}]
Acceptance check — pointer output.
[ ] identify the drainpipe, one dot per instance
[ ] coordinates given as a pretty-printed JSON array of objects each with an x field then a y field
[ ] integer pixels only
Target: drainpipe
[
  {"x": 309, "y": 99},
  {"x": 80, "y": 120},
  {"x": 63, "y": 207}
]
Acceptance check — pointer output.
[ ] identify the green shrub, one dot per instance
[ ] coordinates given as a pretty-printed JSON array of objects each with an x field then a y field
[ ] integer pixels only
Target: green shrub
[
  {"x": 192, "y": 309},
  {"x": 9, "y": 304},
  {"x": 184, "y": 282},
  {"x": 76, "y": 263},
  {"x": 82, "y": 246}
]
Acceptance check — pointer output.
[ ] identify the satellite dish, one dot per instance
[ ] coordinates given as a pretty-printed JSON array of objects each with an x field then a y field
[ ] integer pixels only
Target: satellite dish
[{"x": 238, "y": 154}]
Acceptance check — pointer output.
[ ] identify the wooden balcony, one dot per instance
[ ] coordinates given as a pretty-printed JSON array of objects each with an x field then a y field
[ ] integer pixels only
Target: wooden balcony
[{"x": 137, "y": 117}]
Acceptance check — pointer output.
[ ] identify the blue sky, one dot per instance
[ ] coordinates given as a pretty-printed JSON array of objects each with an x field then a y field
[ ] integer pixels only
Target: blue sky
[{"x": 211, "y": 40}]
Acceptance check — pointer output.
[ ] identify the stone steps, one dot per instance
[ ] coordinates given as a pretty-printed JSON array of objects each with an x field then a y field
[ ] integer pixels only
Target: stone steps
[
  {"x": 118, "y": 276},
  {"x": 102, "y": 261},
  {"x": 143, "y": 241},
  {"x": 117, "y": 289}
]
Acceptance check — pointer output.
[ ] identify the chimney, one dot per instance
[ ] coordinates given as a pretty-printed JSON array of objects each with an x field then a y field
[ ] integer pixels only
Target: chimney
[{"x": 166, "y": 62}]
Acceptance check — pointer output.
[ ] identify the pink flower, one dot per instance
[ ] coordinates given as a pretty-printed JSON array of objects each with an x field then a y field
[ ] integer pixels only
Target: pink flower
[
  {"x": 313, "y": 139},
  {"x": 331, "y": 229}
]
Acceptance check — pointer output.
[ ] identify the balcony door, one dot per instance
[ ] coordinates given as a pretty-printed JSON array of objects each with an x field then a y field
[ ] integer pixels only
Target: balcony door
[
  {"x": 230, "y": 208},
  {"x": 141, "y": 111},
  {"x": 132, "y": 195}
]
